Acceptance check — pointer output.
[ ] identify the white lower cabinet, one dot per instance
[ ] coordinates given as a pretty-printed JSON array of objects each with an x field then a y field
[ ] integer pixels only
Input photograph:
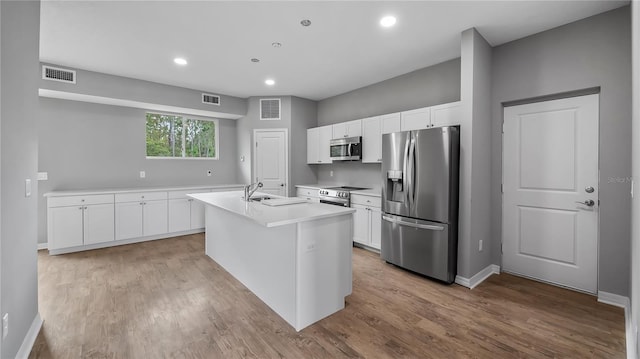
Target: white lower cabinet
[
  {"x": 79, "y": 220},
  {"x": 367, "y": 220},
  {"x": 141, "y": 214},
  {"x": 310, "y": 194},
  {"x": 185, "y": 214}
]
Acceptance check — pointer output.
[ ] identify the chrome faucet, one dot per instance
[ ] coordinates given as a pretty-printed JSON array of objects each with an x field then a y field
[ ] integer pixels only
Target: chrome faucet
[{"x": 248, "y": 192}]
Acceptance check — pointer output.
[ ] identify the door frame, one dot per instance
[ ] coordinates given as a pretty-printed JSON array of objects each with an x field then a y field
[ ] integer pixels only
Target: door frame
[
  {"x": 560, "y": 96},
  {"x": 254, "y": 168}
]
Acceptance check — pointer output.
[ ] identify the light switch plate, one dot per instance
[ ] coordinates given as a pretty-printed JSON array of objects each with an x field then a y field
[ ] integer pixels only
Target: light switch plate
[
  {"x": 142, "y": 174},
  {"x": 5, "y": 325},
  {"x": 27, "y": 187}
]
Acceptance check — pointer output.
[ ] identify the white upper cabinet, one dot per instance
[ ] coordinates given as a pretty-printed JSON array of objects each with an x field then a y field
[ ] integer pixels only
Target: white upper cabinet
[
  {"x": 347, "y": 129},
  {"x": 318, "y": 144},
  {"x": 390, "y": 123},
  {"x": 417, "y": 119},
  {"x": 435, "y": 116},
  {"x": 372, "y": 139},
  {"x": 447, "y": 114}
]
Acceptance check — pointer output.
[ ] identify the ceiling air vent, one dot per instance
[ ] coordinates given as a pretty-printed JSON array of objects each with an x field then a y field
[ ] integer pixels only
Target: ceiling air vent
[
  {"x": 211, "y": 99},
  {"x": 58, "y": 74},
  {"x": 270, "y": 109}
]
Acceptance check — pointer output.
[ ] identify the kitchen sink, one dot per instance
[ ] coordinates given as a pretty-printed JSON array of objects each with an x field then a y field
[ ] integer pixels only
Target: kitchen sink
[{"x": 259, "y": 198}]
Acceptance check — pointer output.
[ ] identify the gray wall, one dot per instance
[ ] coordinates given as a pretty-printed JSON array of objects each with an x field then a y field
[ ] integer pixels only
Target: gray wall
[
  {"x": 429, "y": 86},
  {"x": 303, "y": 116},
  {"x": 475, "y": 155},
  {"x": 99, "y": 84},
  {"x": 425, "y": 87},
  {"x": 93, "y": 146},
  {"x": 20, "y": 30},
  {"x": 635, "y": 235},
  {"x": 588, "y": 53}
]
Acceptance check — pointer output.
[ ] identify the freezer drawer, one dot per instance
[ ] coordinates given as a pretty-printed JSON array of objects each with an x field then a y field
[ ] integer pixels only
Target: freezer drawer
[{"x": 428, "y": 248}]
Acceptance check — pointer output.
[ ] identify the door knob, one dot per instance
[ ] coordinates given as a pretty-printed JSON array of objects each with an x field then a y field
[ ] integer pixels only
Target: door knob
[
  {"x": 589, "y": 189},
  {"x": 281, "y": 184},
  {"x": 588, "y": 202}
]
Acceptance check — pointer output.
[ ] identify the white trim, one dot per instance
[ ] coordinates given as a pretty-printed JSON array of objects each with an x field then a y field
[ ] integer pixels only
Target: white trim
[
  {"x": 286, "y": 155},
  {"x": 478, "y": 277},
  {"x": 30, "y": 338},
  {"x": 42, "y": 246},
  {"x": 622, "y": 302},
  {"x": 62, "y": 95}
]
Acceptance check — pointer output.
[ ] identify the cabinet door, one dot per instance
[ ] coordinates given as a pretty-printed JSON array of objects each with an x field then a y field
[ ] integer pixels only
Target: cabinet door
[
  {"x": 197, "y": 214},
  {"x": 339, "y": 130},
  {"x": 446, "y": 114},
  {"x": 179, "y": 215},
  {"x": 128, "y": 220},
  {"x": 154, "y": 217},
  {"x": 313, "y": 145},
  {"x": 354, "y": 128},
  {"x": 64, "y": 227},
  {"x": 371, "y": 140},
  {"x": 99, "y": 223},
  {"x": 375, "y": 228},
  {"x": 360, "y": 224},
  {"x": 324, "y": 137},
  {"x": 390, "y": 123},
  {"x": 415, "y": 119}
]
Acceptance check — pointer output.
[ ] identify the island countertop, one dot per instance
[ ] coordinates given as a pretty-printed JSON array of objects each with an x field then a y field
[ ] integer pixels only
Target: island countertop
[{"x": 270, "y": 216}]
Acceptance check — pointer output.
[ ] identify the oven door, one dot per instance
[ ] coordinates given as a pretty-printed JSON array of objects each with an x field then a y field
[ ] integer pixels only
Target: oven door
[{"x": 335, "y": 202}]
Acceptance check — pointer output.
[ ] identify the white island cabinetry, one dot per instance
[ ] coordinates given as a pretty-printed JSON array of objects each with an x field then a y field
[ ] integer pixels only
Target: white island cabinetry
[{"x": 296, "y": 258}]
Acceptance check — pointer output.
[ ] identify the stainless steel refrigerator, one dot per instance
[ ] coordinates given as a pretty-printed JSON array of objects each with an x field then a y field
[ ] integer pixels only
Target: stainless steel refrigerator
[{"x": 420, "y": 201}]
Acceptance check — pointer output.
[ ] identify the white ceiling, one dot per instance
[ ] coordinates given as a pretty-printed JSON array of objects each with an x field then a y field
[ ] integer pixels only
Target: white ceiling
[{"x": 344, "y": 48}]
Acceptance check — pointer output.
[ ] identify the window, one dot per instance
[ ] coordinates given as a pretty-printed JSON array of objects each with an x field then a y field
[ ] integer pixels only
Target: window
[{"x": 174, "y": 136}]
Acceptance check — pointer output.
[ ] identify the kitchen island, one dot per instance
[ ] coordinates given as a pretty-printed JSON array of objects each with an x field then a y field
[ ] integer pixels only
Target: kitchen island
[{"x": 296, "y": 258}]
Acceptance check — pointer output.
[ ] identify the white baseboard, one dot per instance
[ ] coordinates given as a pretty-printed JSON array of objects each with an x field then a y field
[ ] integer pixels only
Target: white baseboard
[
  {"x": 42, "y": 246},
  {"x": 622, "y": 302},
  {"x": 478, "y": 277},
  {"x": 30, "y": 338}
]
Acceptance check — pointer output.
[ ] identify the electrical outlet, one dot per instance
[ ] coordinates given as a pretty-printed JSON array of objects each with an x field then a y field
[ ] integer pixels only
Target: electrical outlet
[
  {"x": 480, "y": 245},
  {"x": 142, "y": 174},
  {"x": 5, "y": 325},
  {"x": 311, "y": 246},
  {"x": 43, "y": 176},
  {"x": 209, "y": 173}
]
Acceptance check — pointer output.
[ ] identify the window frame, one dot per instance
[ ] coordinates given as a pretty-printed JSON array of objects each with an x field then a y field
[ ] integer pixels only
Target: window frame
[{"x": 184, "y": 117}]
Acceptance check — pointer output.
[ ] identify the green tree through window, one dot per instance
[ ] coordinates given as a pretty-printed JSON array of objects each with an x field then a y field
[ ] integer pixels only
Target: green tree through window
[{"x": 177, "y": 136}]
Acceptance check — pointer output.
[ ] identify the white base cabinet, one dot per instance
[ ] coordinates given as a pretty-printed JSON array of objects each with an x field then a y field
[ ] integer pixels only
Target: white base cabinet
[
  {"x": 311, "y": 194},
  {"x": 367, "y": 221},
  {"x": 80, "y": 221}
]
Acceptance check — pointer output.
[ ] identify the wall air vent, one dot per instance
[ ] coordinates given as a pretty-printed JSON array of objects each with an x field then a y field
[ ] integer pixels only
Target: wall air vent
[
  {"x": 270, "y": 109},
  {"x": 211, "y": 99},
  {"x": 58, "y": 74}
]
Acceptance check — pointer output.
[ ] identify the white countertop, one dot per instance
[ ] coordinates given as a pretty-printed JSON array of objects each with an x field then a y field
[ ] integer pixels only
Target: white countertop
[
  {"x": 140, "y": 189},
  {"x": 377, "y": 192},
  {"x": 270, "y": 216}
]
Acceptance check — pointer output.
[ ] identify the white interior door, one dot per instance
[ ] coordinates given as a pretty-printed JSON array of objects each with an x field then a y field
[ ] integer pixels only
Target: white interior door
[
  {"x": 271, "y": 165},
  {"x": 550, "y": 177}
]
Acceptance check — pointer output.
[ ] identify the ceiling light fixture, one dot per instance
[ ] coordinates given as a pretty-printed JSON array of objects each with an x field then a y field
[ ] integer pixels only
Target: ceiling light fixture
[
  {"x": 305, "y": 22},
  {"x": 255, "y": 60},
  {"x": 387, "y": 21},
  {"x": 276, "y": 44},
  {"x": 180, "y": 61},
  {"x": 270, "y": 82}
]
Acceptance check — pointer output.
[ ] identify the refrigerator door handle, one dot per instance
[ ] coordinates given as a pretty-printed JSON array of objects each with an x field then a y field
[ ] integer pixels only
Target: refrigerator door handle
[
  {"x": 405, "y": 173},
  {"x": 412, "y": 159},
  {"x": 411, "y": 224}
]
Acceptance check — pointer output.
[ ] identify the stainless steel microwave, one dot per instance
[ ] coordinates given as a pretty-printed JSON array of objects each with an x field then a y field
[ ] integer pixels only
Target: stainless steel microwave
[{"x": 346, "y": 149}]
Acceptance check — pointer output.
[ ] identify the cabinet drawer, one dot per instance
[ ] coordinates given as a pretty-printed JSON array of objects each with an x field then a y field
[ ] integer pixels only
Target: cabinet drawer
[
  {"x": 307, "y": 192},
  {"x": 138, "y": 196},
  {"x": 366, "y": 200},
  {"x": 79, "y": 200}
]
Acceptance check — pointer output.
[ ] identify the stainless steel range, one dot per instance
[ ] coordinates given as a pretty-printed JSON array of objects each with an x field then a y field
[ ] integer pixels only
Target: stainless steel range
[{"x": 339, "y": 196}]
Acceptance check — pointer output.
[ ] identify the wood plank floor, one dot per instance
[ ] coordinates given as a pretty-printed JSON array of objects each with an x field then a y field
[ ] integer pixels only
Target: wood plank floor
[{"x": 166, "y": 299}]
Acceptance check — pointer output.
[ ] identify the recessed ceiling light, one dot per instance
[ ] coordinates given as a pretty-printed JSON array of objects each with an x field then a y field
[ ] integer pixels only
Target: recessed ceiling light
[
  {"x": 276, "y": 44},
  {"x": 255, "y": 60},
  {"x": 270, "y": 82},
  {"x": 180, "y": 61},
  {"x": 305, "y": 22},
  {"x": 388, "y": 21}
]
